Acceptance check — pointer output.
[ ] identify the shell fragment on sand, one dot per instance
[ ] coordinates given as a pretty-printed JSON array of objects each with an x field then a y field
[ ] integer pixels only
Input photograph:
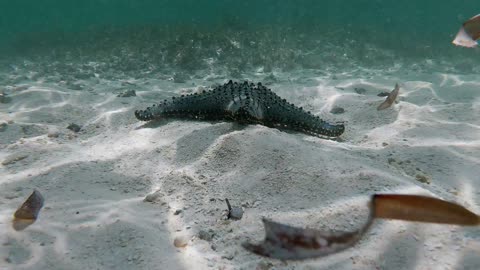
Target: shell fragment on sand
[
  {"x": 469, "y": 33},
  {"x": 285, "y": 242},
  {"x": 390, "y": 98},
  {"x": 28, "y": 212},
  {"x": 234, "y": 213}
]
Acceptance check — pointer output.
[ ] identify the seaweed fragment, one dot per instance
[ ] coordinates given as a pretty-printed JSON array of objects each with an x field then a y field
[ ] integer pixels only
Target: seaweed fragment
[{"x": 390, "y": 98}]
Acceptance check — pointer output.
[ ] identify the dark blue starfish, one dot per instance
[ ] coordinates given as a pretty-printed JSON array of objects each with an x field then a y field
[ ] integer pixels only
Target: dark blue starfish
[{"x": 244, "y": 103}]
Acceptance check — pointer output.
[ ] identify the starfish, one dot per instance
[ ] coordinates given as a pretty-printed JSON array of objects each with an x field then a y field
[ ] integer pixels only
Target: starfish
[{"x": 243, "y": 103}]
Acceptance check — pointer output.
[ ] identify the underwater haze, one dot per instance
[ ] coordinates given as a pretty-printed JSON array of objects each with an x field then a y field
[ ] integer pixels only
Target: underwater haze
[
  {"x": 78, "y": 80},
  {"x": 340, "y": 32}
]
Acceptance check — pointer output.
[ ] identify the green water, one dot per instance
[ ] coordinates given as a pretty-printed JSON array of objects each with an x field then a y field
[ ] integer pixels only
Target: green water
[
  {"x": 420, "y": 17},
  {"x": 288, "y": 30}
]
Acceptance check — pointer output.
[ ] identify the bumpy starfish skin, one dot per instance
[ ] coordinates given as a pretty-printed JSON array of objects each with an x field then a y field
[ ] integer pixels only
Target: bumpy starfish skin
[{"x": 245, "y": 103}]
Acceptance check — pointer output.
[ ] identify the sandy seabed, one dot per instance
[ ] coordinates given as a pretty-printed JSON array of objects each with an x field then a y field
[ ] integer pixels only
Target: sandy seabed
[{"x": 95, "y": 181}]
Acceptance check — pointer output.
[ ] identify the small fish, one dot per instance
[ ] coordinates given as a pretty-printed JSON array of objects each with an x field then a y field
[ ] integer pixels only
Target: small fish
[
  {"x": 469, "y": 33},
  {"x": 27, "y": 213},
  {"x": 390, "y": 98}
]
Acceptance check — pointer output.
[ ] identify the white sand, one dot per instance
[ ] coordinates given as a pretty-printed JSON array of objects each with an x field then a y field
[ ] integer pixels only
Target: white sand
[{"x": 94, "y": 182}]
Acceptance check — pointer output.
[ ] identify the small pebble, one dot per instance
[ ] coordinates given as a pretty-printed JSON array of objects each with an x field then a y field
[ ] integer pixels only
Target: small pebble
[
  {"x": 337, "y": 110},
  {"x": 152, "y": 197},
  {"x": 360, "y": 91},
  {"x": 422, "y": 178},
  {"x": 177, "y": 212},
  {"x": 53, "y": 134},
  {"x": 128, "y": 93},
  {"x": 180, "y": 241},
  {"x": 234, "y": 213},
  {"x": 74, "y": 127},
  {"x": 206, "y": 235}
]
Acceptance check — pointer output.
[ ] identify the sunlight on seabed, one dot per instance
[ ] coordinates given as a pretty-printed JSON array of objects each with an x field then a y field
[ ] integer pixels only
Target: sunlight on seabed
[{"x": 132, "y": 144}]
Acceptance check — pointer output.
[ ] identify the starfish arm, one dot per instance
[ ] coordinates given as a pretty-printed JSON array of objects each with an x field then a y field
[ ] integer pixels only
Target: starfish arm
[
  {"x": 288, "y": 116},
  {"x": 281, "y": 114},
  {"x": 204, "y": 106}
]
